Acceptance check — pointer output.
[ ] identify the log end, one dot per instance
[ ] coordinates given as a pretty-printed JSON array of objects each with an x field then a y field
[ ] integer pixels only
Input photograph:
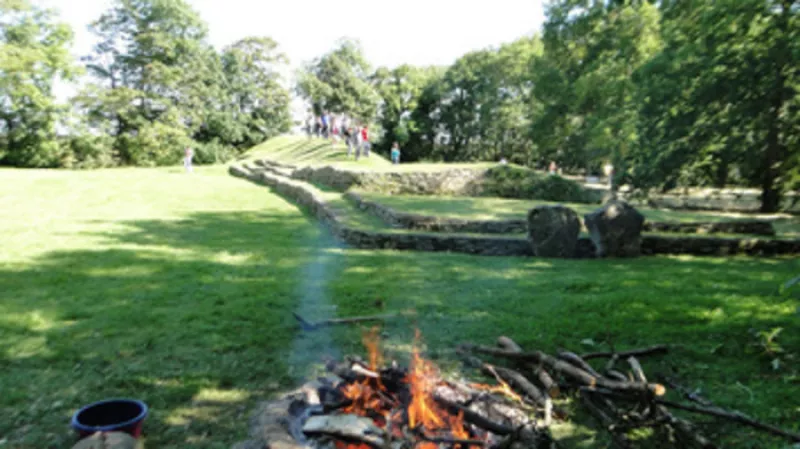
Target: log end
[{"x": 658, "y": 389}]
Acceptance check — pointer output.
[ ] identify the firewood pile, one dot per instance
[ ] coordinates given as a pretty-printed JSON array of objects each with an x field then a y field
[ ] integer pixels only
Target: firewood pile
[
  {"x": 371, "y": 405},
  {"x": 619, "y": 395}
]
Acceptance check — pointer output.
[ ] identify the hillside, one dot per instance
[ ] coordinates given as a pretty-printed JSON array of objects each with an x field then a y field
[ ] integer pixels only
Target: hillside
[{"x": 302, "y": 150}]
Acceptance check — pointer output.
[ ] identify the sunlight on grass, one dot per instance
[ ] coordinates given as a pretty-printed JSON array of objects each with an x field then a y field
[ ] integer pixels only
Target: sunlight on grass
[{"x": 178, "y": 289}]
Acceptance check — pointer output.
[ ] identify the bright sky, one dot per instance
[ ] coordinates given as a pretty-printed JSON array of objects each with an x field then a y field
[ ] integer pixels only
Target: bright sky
[{"x": 419, "y": 32}]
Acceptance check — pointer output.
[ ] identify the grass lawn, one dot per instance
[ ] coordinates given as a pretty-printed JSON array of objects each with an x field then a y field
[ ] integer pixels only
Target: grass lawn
[{"x": 178, "y": 289}]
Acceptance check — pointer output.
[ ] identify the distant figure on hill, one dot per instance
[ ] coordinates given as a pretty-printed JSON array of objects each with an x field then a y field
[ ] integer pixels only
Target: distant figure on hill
[
  {"x": 365, "y": 145},
  {"x": 347, "y": 135},
  {"x": 503, "y": 161},
  {"x": 334, "y": 131},
  {"x": 357, "y": 140},
  {"x": 188, "y": 154},
  {"x": 325, "y": 119},
  {"x": 395, "y": 153},
  {"x": 608, "y": 169},
  {"x": 310, "y": 125},
  {"x": 553, "y": 168}
]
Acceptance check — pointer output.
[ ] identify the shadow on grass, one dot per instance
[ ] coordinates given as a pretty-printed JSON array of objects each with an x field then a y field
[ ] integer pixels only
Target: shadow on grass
[{"x": 194, "y": 317}]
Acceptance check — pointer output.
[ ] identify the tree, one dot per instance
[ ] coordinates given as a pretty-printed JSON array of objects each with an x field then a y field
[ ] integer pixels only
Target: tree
[
  {"x": 252, "y": 104},
  {"x": 733, "y": 98},
  {"x": 154, "y": 72},
  {"x": 400, "y": 91},
  {"x": 585, "y": 80},
  {"x": 339, "y": 82},
  {"x": 34, "y": 52}
]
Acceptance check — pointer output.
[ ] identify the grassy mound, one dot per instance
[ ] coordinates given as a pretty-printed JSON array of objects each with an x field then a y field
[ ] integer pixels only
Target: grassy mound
[{"x": 301, "y": 150}]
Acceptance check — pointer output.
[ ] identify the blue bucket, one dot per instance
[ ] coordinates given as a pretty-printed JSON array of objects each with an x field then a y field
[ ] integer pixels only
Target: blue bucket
[{"x": 111, "y": 415}]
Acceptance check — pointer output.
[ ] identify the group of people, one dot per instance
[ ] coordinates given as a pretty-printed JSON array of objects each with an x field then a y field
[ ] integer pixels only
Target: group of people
[{"x": 355, "y": 135}]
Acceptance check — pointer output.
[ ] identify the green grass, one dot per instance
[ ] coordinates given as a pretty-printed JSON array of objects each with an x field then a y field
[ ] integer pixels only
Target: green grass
[
  {"x": 178, "y": 289},
  {"x": 488, "y": 208},
  {"x": 300, "y": 150}
]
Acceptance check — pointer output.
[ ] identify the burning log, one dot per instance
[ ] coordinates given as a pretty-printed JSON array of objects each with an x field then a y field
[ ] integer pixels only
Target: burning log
[
  {"x": 544, "y": 378},
  {"x": 474, "y": 418},
  {"x": 346, "y": 427},
  {"x": 522, "y": 384},
  {"x": 571, "y": 371}
]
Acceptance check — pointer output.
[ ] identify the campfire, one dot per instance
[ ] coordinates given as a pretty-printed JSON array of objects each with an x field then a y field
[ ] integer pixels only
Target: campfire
[
  {"x": 371, "y": 404},
  {"x": 365, "y": 404}
]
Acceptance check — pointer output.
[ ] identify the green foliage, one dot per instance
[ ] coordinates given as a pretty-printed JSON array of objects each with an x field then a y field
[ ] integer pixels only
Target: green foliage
[
  {"x": 160, "y": 86},
  {"x": 516, "y": 182},
  {"x": 722, "y": 93},
  {"x": 338, "y": 82},
  {"x": 34, "y": 52}
]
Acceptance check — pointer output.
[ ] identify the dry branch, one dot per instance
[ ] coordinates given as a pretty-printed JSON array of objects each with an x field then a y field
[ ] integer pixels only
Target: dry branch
[
  {"x": 571, "y": 371},
  {"x": 732, "y": 416},
  {"x": 619, "y": 438},
  {"x": 576, "y": 360},
  {"x": 543, "y": 376},
  {"x": 653, "y": 350},
  {"x": 312, "y": 326}
]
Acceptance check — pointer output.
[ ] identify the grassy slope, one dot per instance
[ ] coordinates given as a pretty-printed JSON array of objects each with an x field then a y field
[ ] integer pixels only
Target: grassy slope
[
  {"x": 301, "y": 150},
  {"x": 177, "y": 289}
]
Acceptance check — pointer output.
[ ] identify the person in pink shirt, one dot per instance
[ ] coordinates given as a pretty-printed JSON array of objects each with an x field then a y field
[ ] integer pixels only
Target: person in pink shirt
[
  {"x": 365, "y": 145},
  {"x": 187, "y": 159}
]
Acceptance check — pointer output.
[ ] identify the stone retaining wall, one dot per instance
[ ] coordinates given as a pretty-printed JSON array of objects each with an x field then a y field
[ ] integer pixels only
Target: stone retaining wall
[
  {"x": 309, "y": 198},
  {"x": 457, "y": 181},
  {"x": 439, "y": 224},
  {"x": 752, "y": 227}
]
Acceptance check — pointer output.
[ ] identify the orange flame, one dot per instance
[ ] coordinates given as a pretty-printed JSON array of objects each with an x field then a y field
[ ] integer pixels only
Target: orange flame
[
  {"x": 372, "y": 341},
  {"x": 424, "y": 376}
]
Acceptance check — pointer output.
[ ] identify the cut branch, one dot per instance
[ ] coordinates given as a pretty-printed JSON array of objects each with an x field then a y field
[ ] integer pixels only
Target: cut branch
[
  {"x": 312, "y": 326},
  {"x": 653, "y": 350},
  {"x": 543, "y": 376},
  {"x": 571, "y": 371},
  {"x": 732, "y": 416},
  {"x": 576, "y": 360}
]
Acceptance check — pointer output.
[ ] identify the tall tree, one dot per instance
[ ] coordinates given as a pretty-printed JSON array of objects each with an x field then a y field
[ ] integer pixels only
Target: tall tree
[
  {"x": 252, "y": 103},
  {"x": 339, "y": 82},
  {"x": 400, "y": 91},
  {"x": 733, "y": 98},
  {"x": 34, "y": 53},
  {"x": 593, "y": 48},
  {"x": 154, "y": 71}
]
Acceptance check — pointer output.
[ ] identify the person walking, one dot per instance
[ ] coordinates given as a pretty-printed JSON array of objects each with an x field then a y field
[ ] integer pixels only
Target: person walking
[
  {"x": 356, "y": 130},
  {"x": 395, "y": 153},
  {"x": 347, "y": 135},
  {"x": 188, "y": 155},
  {"x": 310, "y": 122},
  {"x": 325, "y": 120},
  {"x": 365, "y": 145},
  {"x": 608, "y": 170}
]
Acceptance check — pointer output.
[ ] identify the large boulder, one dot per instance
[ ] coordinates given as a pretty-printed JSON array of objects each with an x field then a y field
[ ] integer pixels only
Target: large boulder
[
  {"x": 615, "y": 230},
  {"x": 553, "y": 231}
]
